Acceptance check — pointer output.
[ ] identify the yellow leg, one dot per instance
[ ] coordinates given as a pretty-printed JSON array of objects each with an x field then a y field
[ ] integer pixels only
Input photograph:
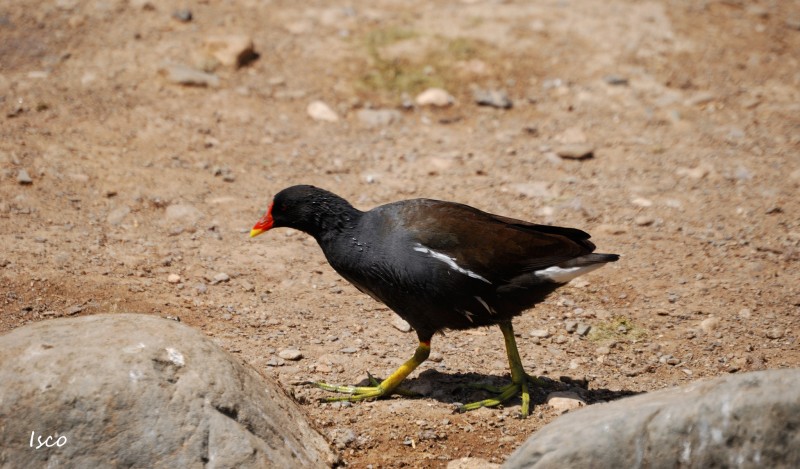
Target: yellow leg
[
  {"x": 385, "y": 387},
  {"x": 519, "y": 379}
]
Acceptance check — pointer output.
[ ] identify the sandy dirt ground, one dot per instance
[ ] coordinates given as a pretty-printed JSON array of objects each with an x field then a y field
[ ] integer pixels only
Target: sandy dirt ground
[{"x": 123, "y": 191}]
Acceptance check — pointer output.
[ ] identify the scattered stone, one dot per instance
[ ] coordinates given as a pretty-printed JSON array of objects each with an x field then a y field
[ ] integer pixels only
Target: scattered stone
[
  {"x": 583, "y": 329},
  {"x": 401, "y": 325},
  {"x": 745, "y": 313},
  {"x": 320, "y": 111},
  {"x": 570, "y": 326},
  {"x": 435, "y": 97},
  {"x": 349, "y": 350},
  {"x": 169, "y": 396},
  {"x": 184, "y": 15},
  {"x": 290, "y": 354},
  {"x": 373, "y": 118},
  {"x": 642, "y": 202},
  {"x": 174, "y": 278},
  {"x": 342, "y": 437},
  {"x": 644, "y": 220},
  {"x": 23, "y": 177},
  {"x": 575, "y": 151},
  {"x": 73, "y": 310},
  {"x": 276, "y": 361},
  {"x": 616, "y": 80},
  {"x": 561, "y": 339},
  {"x": 492, "y": 98},
  {"x": 602, "y": 350},
  {"x": 188, "y": 76},
  {"x": 247, "y": 286},
  {"x": 234, "y": 50},
  {"x": 564, "y": 401},
  {"x": 775, "y": 333},
  {"x": 735, "y": 421},
  {"x": 709, "y": 324},
  {"x": 540, "y": 333},
  {"x": 219, "y": 278}
]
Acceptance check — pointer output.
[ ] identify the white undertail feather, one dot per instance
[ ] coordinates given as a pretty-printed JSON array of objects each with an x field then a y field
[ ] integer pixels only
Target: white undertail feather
[{"x": 557, "y": 274}]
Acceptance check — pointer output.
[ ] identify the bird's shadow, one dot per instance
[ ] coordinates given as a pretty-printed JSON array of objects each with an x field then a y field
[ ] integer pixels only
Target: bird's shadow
[{"x": 461, "y": 388}]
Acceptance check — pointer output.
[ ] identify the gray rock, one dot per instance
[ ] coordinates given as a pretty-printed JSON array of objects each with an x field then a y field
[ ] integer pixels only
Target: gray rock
[
  {"x": 747, "y": 420},
  {"x": 583, "y": 329},
  {"x": 141, "y": 391}
]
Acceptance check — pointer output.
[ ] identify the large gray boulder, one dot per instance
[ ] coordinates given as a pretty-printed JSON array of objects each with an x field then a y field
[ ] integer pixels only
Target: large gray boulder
[
  {"x": 127, "y": 390},
  {"x": 747, "y": 420}
]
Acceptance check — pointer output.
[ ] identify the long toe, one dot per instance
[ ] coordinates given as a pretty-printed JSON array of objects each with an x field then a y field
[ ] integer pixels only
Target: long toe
[{"x": 504, "y": 394}]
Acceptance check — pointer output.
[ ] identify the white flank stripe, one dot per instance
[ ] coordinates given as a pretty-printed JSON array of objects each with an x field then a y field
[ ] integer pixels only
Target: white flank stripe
[
  {"x": 564, "y": 274},
  {"x": 451, "y": 262}
]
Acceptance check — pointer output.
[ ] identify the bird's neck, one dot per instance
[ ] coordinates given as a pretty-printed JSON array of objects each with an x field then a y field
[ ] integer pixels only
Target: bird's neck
[{"x": 333, "y": 218}]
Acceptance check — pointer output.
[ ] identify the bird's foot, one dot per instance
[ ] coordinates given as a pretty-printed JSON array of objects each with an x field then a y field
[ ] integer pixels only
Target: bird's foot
[
  {"x": 360, "y": 393},
  {"x": 505, "y": 393}
]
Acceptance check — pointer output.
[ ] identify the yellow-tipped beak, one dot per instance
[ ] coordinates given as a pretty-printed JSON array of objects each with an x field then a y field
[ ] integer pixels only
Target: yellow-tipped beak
[{"x": 255, "y": 232}]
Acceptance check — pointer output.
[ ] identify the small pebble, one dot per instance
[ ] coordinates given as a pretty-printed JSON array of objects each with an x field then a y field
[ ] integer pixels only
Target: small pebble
[
  {"x": 290, "y": 354},
  {"x": 570, "y": 326},
  {"x": 615, "y": 80},
  {"x": 564, "y": 401},
  {"x": 184, "y": 15},
  {"x": 174, "y": 278},
  {"x": 540, "y": 333},
  {"x": 401, "y": 325},
  {"x": 583, "y": 329},
  {"x": 220, "y": 277},
  {"x": 349, "y": 350},
  {"x": 709, "y": 324},
  {"x": 436, "y": 97},
  {"x": 493, "y": 98},
  {"x": 321, "y": 112},
  {"x": 23, "y": 177},
  {"x": 775, "y": 333},
  {"x": 188, "y": 76}
]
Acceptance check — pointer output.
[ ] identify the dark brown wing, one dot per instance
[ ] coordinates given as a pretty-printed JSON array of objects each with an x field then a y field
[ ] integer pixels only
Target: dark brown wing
[{"x": 495, "y": 247}]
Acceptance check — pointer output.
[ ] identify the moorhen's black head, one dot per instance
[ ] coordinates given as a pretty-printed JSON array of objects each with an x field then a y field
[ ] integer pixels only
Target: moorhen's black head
[{"x": 308, "y": 209}]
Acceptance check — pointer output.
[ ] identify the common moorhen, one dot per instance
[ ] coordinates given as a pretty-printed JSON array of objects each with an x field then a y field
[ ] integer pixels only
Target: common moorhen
[{"x": 439, "y": 265}]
